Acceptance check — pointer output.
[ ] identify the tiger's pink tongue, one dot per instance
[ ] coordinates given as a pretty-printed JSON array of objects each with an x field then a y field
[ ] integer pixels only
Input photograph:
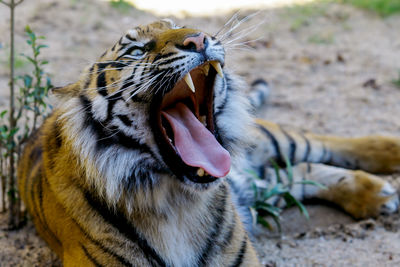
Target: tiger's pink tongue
[{"x": 195, "y": 144}]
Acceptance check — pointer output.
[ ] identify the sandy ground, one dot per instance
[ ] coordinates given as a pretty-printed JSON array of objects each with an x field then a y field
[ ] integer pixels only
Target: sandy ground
[{"x": 330, "y": 68}]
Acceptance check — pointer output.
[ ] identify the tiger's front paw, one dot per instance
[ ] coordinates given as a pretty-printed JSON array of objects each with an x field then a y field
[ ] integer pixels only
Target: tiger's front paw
[
  {"x": 364, "y": 195},
  {"x": 392, "y": 204}
]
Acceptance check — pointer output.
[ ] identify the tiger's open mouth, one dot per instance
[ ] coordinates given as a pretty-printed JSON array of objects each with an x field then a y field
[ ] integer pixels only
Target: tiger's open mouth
[{"x": 185, "y": 127}]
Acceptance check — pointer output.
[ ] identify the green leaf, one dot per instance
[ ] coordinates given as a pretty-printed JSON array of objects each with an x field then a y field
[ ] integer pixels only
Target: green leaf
[
  {"x": 13, "y": 131},
  {"x": 48, "y": 82},
  {"x": 278, "y": 189},
  {"x": 27, "y": 80},
  {"x": 264, "y": 223},
  {"x": 289, "y": 170},
  {"x": 270, "y": 209},
  {"x": 255, "y": 189},
  {"x": 290, "y": 200},
  {"x": 27, "y": 28},
  {"x": 3, "y": 113},
  {"x": 30, "y": 59},
  {"x": 253, "y": 174},
  {"x": 32, "y": 36},
  {"x": 41, "y": 46},
  {"x": 276, "y": 169}
]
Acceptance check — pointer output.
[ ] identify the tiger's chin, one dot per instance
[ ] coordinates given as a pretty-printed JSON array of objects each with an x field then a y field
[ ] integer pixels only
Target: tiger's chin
[{"x": 185, "y": 130}]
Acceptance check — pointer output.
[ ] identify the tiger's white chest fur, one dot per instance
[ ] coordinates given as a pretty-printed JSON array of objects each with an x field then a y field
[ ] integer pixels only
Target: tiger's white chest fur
[{"x": 183, "y": 226}]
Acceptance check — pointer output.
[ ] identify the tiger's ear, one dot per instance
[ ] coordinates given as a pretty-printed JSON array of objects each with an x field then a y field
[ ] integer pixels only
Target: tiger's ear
[
  {"x": 68, "y": 91},
  {"x": 59, "y": 95}
]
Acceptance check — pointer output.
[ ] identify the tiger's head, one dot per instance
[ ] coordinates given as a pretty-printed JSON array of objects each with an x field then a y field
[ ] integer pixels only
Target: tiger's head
[{"x": 158, "y": 107}]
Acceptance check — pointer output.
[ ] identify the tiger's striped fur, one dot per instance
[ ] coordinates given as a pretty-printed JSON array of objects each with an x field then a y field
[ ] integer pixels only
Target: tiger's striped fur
[
  {"x": 95, "y": 182},
  {"x": 103, "y": 191}
]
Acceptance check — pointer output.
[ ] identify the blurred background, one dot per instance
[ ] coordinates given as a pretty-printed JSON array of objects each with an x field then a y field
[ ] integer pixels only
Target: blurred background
[{"x": 333, "y": 67}]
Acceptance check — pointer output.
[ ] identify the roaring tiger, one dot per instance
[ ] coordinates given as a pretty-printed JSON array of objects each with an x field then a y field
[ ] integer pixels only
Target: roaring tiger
[{"x": 144, "y": 161}]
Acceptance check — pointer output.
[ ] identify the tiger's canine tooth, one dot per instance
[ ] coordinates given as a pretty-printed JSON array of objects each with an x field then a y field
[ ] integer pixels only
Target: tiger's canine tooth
[
  {"x": 200, "y": 172},
  {"x": 189, "y": 82},
  {"x": 205, "y": 69},
  {"x": 217, "y": 67}
]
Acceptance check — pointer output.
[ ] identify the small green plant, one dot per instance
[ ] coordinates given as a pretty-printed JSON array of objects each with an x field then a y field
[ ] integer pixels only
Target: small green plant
[
  {"x": 29, "y": 108},
  {"x": 122, "y": 6},
  {"x": 382, "y": 7},
  {"x": 34, "y": 88},
  {"x": 263, "y": 207},
  {"x": 396, "y": 81}
]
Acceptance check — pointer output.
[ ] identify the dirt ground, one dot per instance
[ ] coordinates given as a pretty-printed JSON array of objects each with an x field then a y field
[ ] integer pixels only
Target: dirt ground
[{"x": 330, "y": 68}]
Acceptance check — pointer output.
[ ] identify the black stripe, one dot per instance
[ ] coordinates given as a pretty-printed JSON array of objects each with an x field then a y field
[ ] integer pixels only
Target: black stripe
[
  {"x": 161, "y": 56},
  {"x": 147, "y": 67},
  {"x": 219, "y": 219},
  {"x": 239, "y": 259},
  {"x": 104, "y": 53},
  {"x": 43, "y": 179},
  {"x": 111, "y": 101},
  {"x": 89, "y": 78},
  {"x": 102, "y": 66},
  {"x": 90, "y": 257},
  {"x": 119, "y": 221},
  {"x": 107, "y": 65},
  {"x": 36, "y": 153},
  {"x": 31, "y": 189},
  {"x": 226, "y": 241},
  {"x": 101, "y": 246},
  {"x": 125, "y": 120},
  {"x": 221, "y": 107},
  {"x": 129, "y": 37},
  {"x": 128, "y": 83},
  {"x": 308, "y": 148},
  {"x": 57, "y": 135},
  {"x": 275, "y": 144},
  {"x": 149, "y": 46},
  {"x": 292, "y": 145},
  {"x": 106, "y": 136},
  {"x": 36, "y": 213},
  {"x": 101, "y": 84},
  {"x": 120, "y": 40},
  {"x": 170, "y": 60},
  {"x": 261, "y": 172},
  {"x": 139, "y": 175}
]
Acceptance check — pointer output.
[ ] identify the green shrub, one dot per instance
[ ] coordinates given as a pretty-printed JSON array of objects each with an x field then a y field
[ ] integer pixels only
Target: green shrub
[
  {"x": 382, "y": 7},
  {"x": 263, "y": 208}
]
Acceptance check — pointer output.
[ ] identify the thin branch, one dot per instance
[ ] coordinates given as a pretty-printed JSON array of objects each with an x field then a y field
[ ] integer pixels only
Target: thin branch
[
  {"x": 19, "y": 2},
  {"x": 7, "y": 4}
]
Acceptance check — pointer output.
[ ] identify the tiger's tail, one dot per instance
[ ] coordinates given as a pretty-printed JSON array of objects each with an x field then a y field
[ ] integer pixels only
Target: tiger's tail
[
  {"x": 259, "y": 93},
  {"x": 375, "y": 154}
]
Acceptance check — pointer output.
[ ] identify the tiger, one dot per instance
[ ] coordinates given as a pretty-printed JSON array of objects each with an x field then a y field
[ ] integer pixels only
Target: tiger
[{"x": 144, "y": 161}]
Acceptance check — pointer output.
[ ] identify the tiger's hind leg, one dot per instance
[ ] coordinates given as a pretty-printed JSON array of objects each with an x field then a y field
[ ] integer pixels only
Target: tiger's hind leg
[{"x": 359, "y": 193}]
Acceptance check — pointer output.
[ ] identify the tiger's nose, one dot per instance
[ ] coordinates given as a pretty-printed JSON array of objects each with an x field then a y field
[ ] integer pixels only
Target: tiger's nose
[{"x": 196, "y": 42}]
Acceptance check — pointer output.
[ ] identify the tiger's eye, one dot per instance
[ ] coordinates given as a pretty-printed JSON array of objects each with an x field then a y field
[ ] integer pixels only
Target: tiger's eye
[{"x": 137, "y": 52}]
